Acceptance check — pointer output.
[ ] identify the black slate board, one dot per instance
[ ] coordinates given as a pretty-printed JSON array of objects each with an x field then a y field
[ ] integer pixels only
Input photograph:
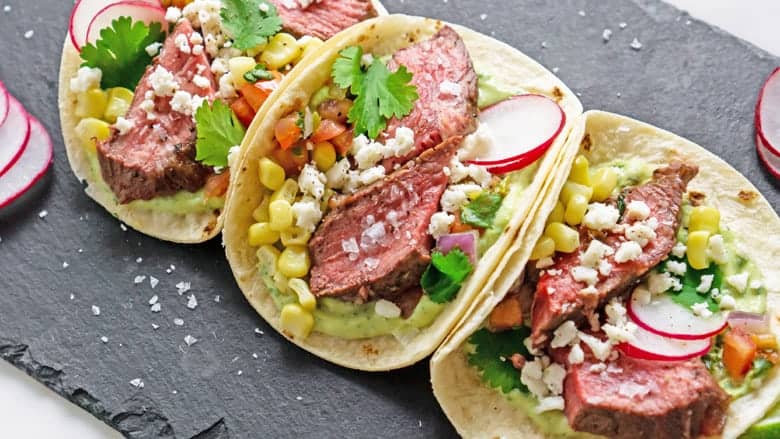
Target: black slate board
[{"x": 688, "y": 77}]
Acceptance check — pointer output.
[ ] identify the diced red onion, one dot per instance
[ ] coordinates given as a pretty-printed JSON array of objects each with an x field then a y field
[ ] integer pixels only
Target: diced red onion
[
  {"x": 466, "y": 242},
  {"x": 749, "y": 322}
]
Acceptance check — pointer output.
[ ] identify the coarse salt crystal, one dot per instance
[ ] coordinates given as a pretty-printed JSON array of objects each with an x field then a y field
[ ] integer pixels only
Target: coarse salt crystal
[
  {"x": 137, "y": 383},
  {"x": 95, "y": 310},
  {"x": 178, "y": 322},
  {"x": 153, "y": 281},
  {"x": 192, "y": 302},
  {"x": 190, "y": 340},
  {"x": 138, "y": 279},
  {"x": 156, "y": 307}
]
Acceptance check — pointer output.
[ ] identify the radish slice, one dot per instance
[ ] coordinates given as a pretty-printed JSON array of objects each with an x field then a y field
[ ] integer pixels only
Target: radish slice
[
  {"x": 650, "y": 346},
  {"x": 523, "y": 128},
  {"x": 771, "y": 161},
  {"x": 4, "y": 103},
  {"x": 138, "y": 10},
  {"x": 83, "y": 13},
  {"x": 665, "y": 317},
  {"x": 768, "y": 113},
  {"x": 14, "y": 134},
  {"x": 32, "y": 165}
]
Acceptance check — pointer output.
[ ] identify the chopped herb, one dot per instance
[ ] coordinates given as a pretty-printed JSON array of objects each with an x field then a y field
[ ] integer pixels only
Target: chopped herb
[
  {"x": 621, "y": 205},
  {"x": 218, "y": 130},
  {"x": 259, "y": 73},
  {"x": 482, "y": 211},
  {"x": 444, "y": 276},
  {"x": 120, "y": 52},
  {"x": 492, "y": 353},
  {"x": 249, "y": 22},
  {"x": 688, "y": 296},
  {"x": 300, "y": 121}
]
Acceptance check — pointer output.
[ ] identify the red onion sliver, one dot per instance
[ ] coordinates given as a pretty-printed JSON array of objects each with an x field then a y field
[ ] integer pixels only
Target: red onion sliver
[
  {"x": 466, "y": 242},
  {"x": 749, "y": 322}
]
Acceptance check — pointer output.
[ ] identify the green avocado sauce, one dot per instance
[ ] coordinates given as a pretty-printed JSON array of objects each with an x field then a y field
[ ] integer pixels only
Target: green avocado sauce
[
  {"x": 181, "y": 203},
  {"x": 513, "y": 186},
  {"x": 491, "y": 91}
]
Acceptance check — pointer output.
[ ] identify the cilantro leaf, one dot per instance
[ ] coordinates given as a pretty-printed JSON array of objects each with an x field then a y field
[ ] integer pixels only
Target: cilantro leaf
[
  {"x": 444, "y": 276},
  {"x": 482, "y": 211},
  {"x": 218, "y": 130},
  {"x": 688, "y": 296},
  {"x": 621, "y": 205},
  {"x": 490, "y": 347},
  {"x": 247, "y": 24},
  {"x": 347, "y": 72},
  {"x": 120, "y": 52},
  {"x": 259, "y": 73}
]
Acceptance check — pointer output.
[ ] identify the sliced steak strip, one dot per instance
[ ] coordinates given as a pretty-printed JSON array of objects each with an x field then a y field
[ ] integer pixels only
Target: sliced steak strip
[
  {"x": 631, "y": 398},
  {"x": 324, "y": 18},
  {"x": 447, "y": 84},
  {"x": 558, "y": 296},
  {"x": 376, "y": 243},
  {"x": 157, "y": 157}
]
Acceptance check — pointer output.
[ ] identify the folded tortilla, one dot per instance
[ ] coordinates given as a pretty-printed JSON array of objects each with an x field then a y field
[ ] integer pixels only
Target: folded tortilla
[
  {"x": 383, "y": 36},
  {"x": 190, "y": 228},
  {"x": 475, "y": 409}
]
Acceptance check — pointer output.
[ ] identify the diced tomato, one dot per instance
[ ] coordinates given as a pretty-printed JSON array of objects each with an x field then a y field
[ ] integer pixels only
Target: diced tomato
[
  {"x": 287, "y": 131},
  {"x": 739, "y": 350},
  {"x": 217, "y": 184},
  {"x": 328, "y": 130},
  {"x": 343, "y": 142},
  {"x": 335, "y": 109},
  {"x": 292, "y": 159},
  {"x": 507, "y": 314},
  {"x": 243, "y": 111},
  {"x": 257, "y": 93},
  {"x": 458, "y": 226}
]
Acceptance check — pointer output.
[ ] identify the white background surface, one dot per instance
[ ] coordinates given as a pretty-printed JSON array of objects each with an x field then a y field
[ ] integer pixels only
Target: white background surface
[{"x": 37, "y": 412}]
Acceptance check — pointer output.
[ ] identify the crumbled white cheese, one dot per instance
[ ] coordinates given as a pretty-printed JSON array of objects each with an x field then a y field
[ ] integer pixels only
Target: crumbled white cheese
[
  {"x": 86, "y": 79},
  {"x": 564, "y": 335},
  {"x": 205, "y": 15},
  {"x": 531, "y": 375},
  {"x": 679, "y": 250},
  {"x": 727, "y": 302},
  {"x": 620, "y": 333},
  {"x": 640, "y": 233},
  {"x": 738, "y": 281},
  {"x": 233, "y": 153},
  {"x": 123, "y": 126},
  {"x": 183, "y": 43},
  {"x": 196, "y": 38},
  {"x": 705, "y": 283},
  {"x": 457, "y": 171},
  {"x": 637, "y": 210},
  {"x": 440, "y": 224},
  {"x": 481, "y": 175},
  {"x": 387, "y": 309},
  {"x": 658, "y": 283},
  {"x": 372, "y": 175},
  {"x": 366, "y": 153},
  {"x": 312, "y": 182},
  {"x": 585, "y": 274},
  {"x": 628, "y": 251},
  {"x": 605, "y": 268},
  {"x": 227, "y": 89},
  {"x": 595, "y": 252},
  {"x": 600, "y": 349},
  {"x": 307, "y": 214},
  {"x": 576, "y": 355},
  {"x": 675, "y": 267},
  {"x": 716, "y": 249},
  {"x": 182, "y": 103},
  {"x": 601, "y": 217},
  {"x": 401, "y": 144},
  {"x": 550, "y": 403},
  {"x": 453, "y": 200},
  {"x": 201, "y": 81},
  {"x": 172, "y": 14},
  {"x": 153, "y": 49},
  {"x": 476, "y": 144},
  {"x": 641, "y": 295},
  {"x": 163, "y": 82},
  {"x": 553, "y": 376},
  {"x": 338, "y": 174},
  {"x": 701, "y": 309}
]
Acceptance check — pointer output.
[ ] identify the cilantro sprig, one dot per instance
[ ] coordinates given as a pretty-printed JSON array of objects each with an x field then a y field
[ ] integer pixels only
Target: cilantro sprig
[
  {"x": 381, "y": 94},
  {"x": 688, "y": 296},
  {"x": 491, "y": 354},
  {"x": 120, "y": 52},
  {"x": 444, "y": 276},
  {"x": 482, "y": 211},
  {"x": 259, "y": 73},
  {"x": 218, "y": 130},
  {"x": 249, "y": 22}
]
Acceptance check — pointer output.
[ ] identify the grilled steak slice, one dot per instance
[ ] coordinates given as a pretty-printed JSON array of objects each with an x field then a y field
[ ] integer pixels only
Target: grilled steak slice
[
  {"x": 447, "y": 85},
  {"x": 376, "y": 243},
  {"x": 156, "y": 157},
  {"x": 559, "y": 296},
  {"x": 634, "y": 399},
  {"x": 323, "y": 18}
]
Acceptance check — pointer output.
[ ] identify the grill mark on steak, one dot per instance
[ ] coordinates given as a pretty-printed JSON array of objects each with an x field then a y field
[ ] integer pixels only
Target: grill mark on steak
[
  {"x": 157, "y": 157},
  {"x": 558, "y": 297},
  {"x": 636, "y": 399},
  {"x": 392, "y": 264},
  {"x": 323, "y": 19},
  {"x": 437, "y": 115}
]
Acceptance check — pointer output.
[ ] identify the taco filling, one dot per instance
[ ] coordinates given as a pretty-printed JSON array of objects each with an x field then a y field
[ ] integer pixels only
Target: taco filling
[
  {"x": 163, "y": 107},
  {"x": 636, "y": 317},
  {"x": 373, "y": 214}
]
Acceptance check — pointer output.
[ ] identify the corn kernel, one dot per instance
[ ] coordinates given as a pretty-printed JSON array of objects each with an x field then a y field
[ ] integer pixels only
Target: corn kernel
[
  {"x": 295, "y": 236},
  {"x": 296, "y": 322},
  {"x": 575, "y": 210},
  {"x": 305, "y": 297},
  {"x": 566, "y": 239},
  {"x": 326, "y": 199},
  {"x": 294, "y": 261},
  {"x": 281, "y": 216},
  {"x": 310, "y": 45},
  {"x": 91, "y": 103},
  {"x": 697, "y": 249},
  {"x": 119, "y": 100},
  {"x": 287, "y": 192},
  {"x": 557, "y": 214},
  {"x": 261, "y": 213},
  {"x": 704, "y": 218},
  {"x": 271, "y": 174},
  {"x": 282, "y": 49},
  {"x": 281, "y": 281},
  {"x": 603, "y": 182},
  {"x": 570, "y": 189},
  {"x": 91, "y": 130},
  {"x": 261, "y": 234},
  {"x": 238, "y": 67},
  {"x": 580, "y": 171},
  {"x": 324, "y": 156},
  {"x": 267, "y": 257},
  {"x": 765, "y": 341},
  {"x": 257, "y": 50},
  {"x": 545, "y": 247}
]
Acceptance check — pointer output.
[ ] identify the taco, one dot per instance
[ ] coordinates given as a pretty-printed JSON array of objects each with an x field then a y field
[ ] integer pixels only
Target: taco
[
  {"x": 153, "y": 108},
  {"x": 368, "y": 249},
  {"x": 637, "y": 305}
]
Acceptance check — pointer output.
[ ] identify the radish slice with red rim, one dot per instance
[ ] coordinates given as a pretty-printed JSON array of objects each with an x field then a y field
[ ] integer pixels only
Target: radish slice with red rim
[
  {"x": 523, "y": 127},
  {"x": 14, "y": 134},
  {"x": 651, "y": 346},
  {"x": 5, "y": 103},
  {"x": 667, "y": 318},
  {"x": 137, "y": 9},
  {"x": 771, "y": 161},
  {"x": 32, "y": 165},
  {"x": 768, "y": 113},
  {"x": 83, "y": 13}
]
